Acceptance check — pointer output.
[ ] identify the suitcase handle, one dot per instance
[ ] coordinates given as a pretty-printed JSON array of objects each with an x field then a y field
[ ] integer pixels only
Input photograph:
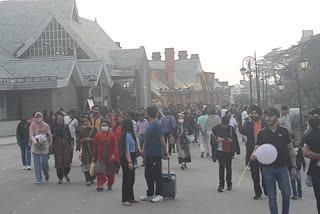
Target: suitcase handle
[{"x": 168, "y": 165}]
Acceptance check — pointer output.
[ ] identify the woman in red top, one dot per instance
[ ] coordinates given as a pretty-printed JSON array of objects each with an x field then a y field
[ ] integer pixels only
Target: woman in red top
[{"x": 105, "y": 155}]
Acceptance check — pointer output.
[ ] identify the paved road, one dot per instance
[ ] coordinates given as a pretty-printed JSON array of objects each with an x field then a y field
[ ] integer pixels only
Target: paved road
[{"x": 196, "y": 191}]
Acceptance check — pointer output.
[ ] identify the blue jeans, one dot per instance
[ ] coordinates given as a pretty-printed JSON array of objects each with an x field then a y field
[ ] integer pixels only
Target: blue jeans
[
  {"x": 294, "y": 186},
  {"x": 273, "y": 175},
  {"x": 25, "y": 152},
  {"x": 41, "y": 163}
]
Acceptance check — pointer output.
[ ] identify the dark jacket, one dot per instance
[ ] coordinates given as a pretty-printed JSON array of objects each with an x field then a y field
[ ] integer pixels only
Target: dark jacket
[
  {"x": 22, "y": 132},
  {"x": 247, "y": 129},
  {"x": 229, "y": 133}
]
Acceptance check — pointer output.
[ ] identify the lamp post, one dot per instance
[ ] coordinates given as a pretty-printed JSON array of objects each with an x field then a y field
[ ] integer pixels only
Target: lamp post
[
  {"x": 249, "y": 61},
  {"x": 247, "y": 73},
  {"x": 304, "y": 64}
]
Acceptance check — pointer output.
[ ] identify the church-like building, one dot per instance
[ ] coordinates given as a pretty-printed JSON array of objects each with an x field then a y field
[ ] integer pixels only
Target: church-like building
[{"x": 50, "y": 57}]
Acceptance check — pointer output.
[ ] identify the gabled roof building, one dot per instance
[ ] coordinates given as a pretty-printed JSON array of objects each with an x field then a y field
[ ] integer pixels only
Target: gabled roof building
[
  {"x": 51, "y": 57},
  {"x": 181, "y": 81}
]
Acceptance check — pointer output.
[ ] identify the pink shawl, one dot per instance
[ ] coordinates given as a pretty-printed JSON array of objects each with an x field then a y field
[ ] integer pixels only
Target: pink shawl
[{"x": 38, "y": 128}]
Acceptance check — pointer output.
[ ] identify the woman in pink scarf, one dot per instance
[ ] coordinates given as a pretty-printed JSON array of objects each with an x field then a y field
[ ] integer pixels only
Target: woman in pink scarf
[{"x": 40, "y": 135}]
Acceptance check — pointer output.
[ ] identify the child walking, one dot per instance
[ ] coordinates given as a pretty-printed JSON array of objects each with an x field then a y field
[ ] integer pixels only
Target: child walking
[{"x": 296, "y": 183}]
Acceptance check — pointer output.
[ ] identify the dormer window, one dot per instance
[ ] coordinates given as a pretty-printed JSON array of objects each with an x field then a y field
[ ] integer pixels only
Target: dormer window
[{"x": 55, "y": 41}]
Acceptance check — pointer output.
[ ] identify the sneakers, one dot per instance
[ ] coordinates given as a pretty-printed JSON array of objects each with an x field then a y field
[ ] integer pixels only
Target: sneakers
[
  {"x": 257, "y": 197},
  {"x": 99, "y": 189},
  {"x": 202, "y": 154},
  {"x": 182, "y": 167},
  {"x": 157, "y": 198},
  {"x": 294, "y": 198},
  {"x": 109, "y": 188},
  {"x": 208, "y": 155},
  {"x": 309, "y": 182},
  {"x": 88, "y": 183},
  {"x": 38, "y": 182},
  {"x": 229, "y": 188},
  {"x": 146, "y": 198},
  {"x": 24, "y": 168},
  {"x": 220, "y": 189},
  {"x": 28, "y": 167},
  {"x": 60, "y": 182},
  {"x": 67, "y": 178}
]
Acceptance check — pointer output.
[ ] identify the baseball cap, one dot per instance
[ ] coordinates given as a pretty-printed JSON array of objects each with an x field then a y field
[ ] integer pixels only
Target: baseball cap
[{"x": 272, "y": 111}]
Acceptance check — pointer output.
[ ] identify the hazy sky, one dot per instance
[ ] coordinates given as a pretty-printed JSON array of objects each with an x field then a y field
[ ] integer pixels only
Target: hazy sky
[{"x": 221, "y": 32}]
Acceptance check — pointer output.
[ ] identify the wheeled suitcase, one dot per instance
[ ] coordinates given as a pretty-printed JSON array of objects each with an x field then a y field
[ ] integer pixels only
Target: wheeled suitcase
[{"x": 169, "y": 186}]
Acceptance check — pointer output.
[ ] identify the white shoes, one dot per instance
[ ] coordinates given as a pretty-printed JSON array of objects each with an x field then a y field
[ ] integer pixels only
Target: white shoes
[
  {"x": 24, "y": 168},
  {"x": 28, "y": 167},
  {"x": 157, "y": 198},
  {"x": 146, "y": 198},
  {"x": 154, "y": 199}
]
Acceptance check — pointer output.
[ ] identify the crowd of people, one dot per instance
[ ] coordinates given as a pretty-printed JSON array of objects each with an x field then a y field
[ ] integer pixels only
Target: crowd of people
[{"x": 114, "y": 139}]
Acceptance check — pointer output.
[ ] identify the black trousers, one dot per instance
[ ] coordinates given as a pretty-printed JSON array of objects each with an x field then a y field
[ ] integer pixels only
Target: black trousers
[
  {"x": 249, "y": 150},
  {"x": 62, "y": 172},
  {"x": 315, "y": 174},
  {"x": 128, "y": 178},
  {"x": 167, "y": 139},
  {"x": 153, "y": 175},
  {"x": 89, "y": 177},
  {"x": 225, "y": 161},
  {"x": 256, "y": 168}
]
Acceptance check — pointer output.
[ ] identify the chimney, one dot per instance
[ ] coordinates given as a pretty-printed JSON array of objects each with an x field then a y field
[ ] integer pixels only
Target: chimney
[
  {"x": 183, "y": 55},
  {"x": 118, "y": 44},
  {"x": 170, "y": 66},
  {"x": 154, "y": 77},
  {"x": 306, "y": 35},
  {"x": 195, "y": 56},
  {"x": 156, "y": 56}
]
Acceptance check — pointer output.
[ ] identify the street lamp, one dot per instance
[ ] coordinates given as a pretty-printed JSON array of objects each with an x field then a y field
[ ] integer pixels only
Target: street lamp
[
  {"x": 281, "y": 86},
  {"x": 304, "y": 63},
  {"x": 249, "y": 61},
  {"x": 243, "y": 71},
  {"x": 248, "y": 73}
]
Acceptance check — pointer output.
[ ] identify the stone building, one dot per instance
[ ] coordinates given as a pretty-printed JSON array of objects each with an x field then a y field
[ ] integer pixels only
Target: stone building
[{"x": 51, "y": 57}]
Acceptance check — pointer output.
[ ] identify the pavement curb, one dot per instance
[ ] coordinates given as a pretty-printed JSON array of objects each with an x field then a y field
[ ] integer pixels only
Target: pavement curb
[{"x": 7, "y": 144}]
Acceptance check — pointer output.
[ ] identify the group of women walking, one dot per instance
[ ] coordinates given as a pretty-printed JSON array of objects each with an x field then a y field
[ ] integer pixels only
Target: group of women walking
[{"x": 100, "y": 148}]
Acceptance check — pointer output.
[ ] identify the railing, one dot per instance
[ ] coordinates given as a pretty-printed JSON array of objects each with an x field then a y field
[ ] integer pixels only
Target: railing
[{"x": 28, "y": 79}]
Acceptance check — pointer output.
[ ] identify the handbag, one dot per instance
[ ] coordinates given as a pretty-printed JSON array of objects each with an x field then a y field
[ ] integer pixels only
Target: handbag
[
  {"x": 92, "y": 169},
  {"x": 190, "y": 138}
]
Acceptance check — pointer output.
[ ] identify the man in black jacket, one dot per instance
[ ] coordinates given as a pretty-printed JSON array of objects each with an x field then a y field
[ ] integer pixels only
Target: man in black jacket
[
  {"x": 22, "y": 135},
  {"x": 251, "y": 128}
]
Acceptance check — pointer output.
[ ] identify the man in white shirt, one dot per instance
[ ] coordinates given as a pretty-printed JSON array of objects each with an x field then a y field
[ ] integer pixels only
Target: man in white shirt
[
  {"x": 233, "y": 122},
  {"x": 224, "y": 110},
  {"x": 72, "y": 122},
  {"x": 244, "y": 116},
  {"x": 284, "y": 120}
]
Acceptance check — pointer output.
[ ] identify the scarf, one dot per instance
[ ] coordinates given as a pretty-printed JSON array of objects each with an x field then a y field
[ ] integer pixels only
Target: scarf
[{"x": 39, "y": 127}]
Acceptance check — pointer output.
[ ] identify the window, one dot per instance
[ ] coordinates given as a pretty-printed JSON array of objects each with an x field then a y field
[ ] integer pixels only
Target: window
[
  {"x": 55, "y": 41},
  {"x": 128, "y": 87}
]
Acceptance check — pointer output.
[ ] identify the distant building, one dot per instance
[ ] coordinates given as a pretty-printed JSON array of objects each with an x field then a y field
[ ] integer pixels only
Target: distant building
[
  {"x": 51, "y": 57},
  {"x": 181, "y": 81}
]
